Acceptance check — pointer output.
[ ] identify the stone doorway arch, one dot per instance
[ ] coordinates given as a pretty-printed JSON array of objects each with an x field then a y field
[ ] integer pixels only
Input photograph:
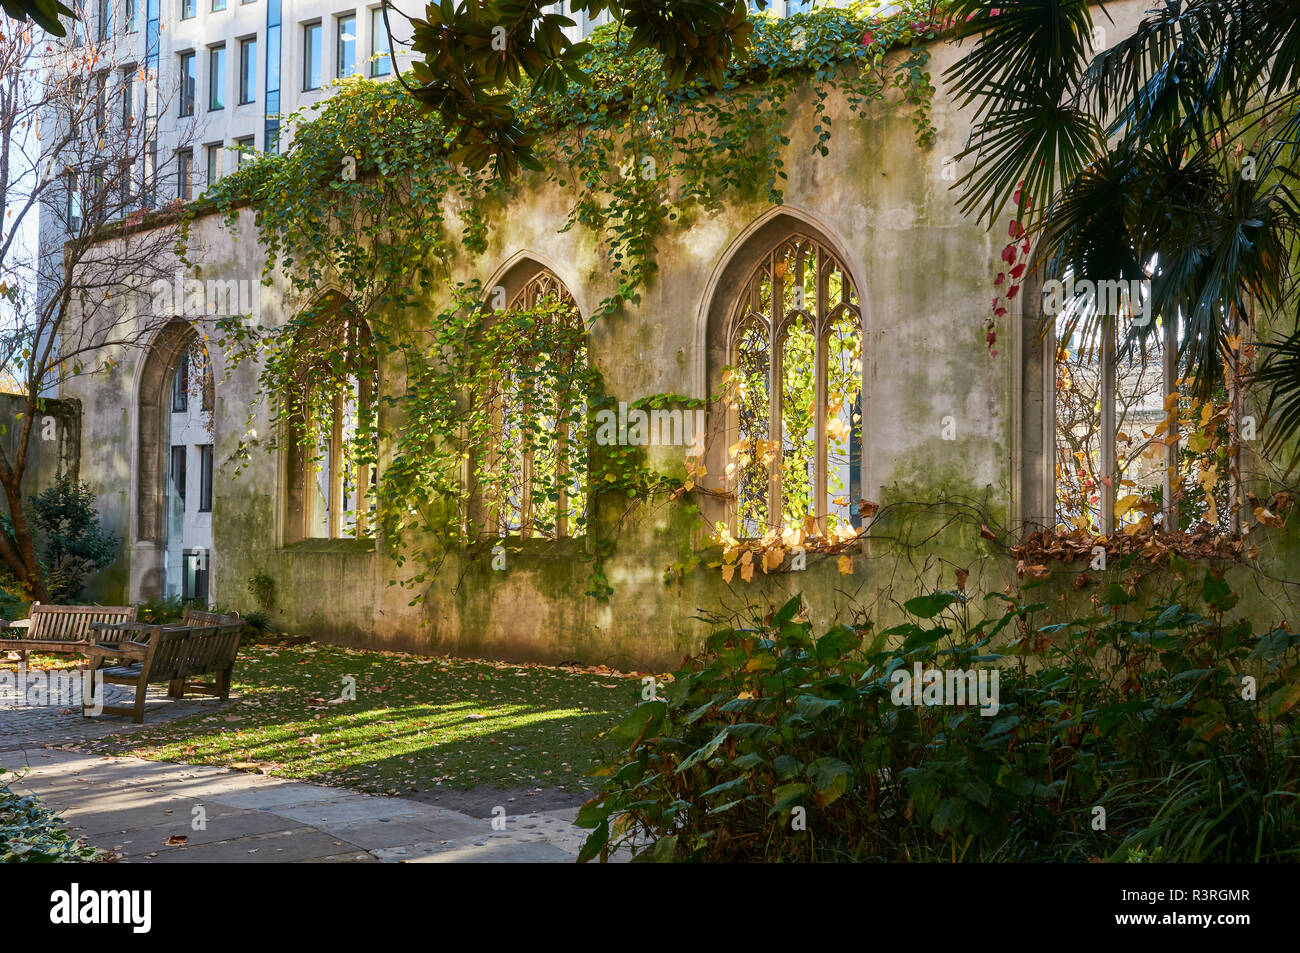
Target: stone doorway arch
[{"x": 153, "y": 458}]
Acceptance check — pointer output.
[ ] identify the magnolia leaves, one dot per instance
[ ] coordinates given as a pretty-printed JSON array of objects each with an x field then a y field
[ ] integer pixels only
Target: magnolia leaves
[
  {"x": 473, "y": 53},
  {"x": 45, "y": 13}
]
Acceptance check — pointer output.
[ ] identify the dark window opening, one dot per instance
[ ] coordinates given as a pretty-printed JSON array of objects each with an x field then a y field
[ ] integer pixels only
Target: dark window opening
[
  {"x": 181, "y": 386},
  {"x": 195, "y": 586},
  {"x": 205, "y": 478},
  {"x": 178, "y": 471}
]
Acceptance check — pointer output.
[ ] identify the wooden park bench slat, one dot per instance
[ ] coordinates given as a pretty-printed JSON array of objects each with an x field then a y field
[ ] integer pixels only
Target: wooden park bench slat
[
  {"x": 171, "y": 654},
  {"x": 63, "y": 629}
]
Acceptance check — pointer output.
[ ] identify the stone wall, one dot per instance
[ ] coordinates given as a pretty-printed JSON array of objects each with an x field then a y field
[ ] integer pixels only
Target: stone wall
[
  {"x": 54, "y": 445},
  {"x": 923, "y": 272}
]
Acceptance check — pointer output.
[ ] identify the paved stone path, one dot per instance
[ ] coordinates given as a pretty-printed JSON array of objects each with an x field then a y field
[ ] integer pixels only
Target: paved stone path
[
  {"x": 24, "y": 724},
  {"x": 134, "y": 807},
  {"x": 141, "y": 809}
]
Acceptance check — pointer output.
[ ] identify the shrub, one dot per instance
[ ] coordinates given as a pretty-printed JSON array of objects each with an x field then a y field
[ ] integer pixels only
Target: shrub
[
  {"x": 256, "y": 624},
  {"x": 31, "y": 833},
  {"x": 71, "y": 543},
  {"x": 160, "y": 611},
  {"x": 773, "y": 745},
  {"x": 262, "y": 588}
]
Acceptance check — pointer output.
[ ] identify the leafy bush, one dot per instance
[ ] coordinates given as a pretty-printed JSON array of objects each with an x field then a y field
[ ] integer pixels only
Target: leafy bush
[
  {"x": 262, "y": 588},
  {"x": 773, "y": 745},
  {"x": 160, "y": 611},
  {"x": 257, "y": 623},
  {"x": 71, "y": 543},
  {"x": 31, "y": 833}
]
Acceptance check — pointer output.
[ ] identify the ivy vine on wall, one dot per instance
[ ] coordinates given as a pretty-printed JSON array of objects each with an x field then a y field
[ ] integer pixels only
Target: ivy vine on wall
[{"x": 368, "y": 203}]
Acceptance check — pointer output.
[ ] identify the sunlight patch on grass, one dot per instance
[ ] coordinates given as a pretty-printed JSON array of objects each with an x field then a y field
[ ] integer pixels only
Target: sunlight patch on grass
[{"x": 414, "y": 723}]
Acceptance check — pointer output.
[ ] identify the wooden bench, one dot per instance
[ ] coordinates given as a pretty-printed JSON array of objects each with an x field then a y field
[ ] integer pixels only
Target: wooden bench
[
  {"x": 200, "y": 617},
  {"x": 175, "y": 654},
  {"x": 106, "y": 633},
  {"x": 61, "y": 628}
]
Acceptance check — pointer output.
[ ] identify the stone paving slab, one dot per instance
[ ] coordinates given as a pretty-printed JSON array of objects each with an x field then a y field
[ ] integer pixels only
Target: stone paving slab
[
  {"x": 131, "y": 807},
  {"x": 24, "y": 725}
]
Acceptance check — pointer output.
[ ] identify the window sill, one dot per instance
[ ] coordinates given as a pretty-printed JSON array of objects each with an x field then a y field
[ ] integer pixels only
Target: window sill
[
  {"x": 568, "y": 548},
  {"x": 330, "y": 546}
]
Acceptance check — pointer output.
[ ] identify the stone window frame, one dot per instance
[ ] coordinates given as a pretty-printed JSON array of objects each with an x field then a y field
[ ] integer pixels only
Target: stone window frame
[
  {"x": 153, "y": 400},
  {"x": 1033, "y": 456},
  {"x": 299, "y": 478},
  {"x": 823, "y": 315},
  {"x": 523, "y": 286}
]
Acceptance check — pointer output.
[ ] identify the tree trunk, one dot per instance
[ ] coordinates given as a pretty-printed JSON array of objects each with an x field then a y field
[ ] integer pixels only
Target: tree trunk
[{"x": 19, "y": 552}]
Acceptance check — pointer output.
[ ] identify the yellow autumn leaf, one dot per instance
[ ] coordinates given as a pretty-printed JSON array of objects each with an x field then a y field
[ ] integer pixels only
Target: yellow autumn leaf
[
  {"x": 1266, "y": 516},
  {"x": 1122, "y": 506},
  {"x": 747, "y": 571},
  {"x": 728, "y": 570},
  {"x": 845, "y": 564}
]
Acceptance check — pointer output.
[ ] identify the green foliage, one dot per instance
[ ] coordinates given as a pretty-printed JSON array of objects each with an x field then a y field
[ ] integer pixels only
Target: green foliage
[
  {"x": 634, "y": 151},
  {"x": 1175, "y": 143},
  {"x": 160, "y": 611},
  {"x": 474, "y": 51},
  {"x": 31, "y": 833},
  {"x": 70, "y": 541},
  {"x": 1143, "y": 713},
  {"x": 262, "y": 588},
  {"x": 257, "y": 623},
  {"x": 45, "y": 13}
]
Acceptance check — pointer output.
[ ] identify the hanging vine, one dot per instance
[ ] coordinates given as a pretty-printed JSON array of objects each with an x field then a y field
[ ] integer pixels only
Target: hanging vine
[{"x": 368, "y": 203}]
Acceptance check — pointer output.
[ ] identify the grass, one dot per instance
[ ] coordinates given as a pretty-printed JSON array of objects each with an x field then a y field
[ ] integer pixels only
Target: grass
[{"x": 415, "y": 723}]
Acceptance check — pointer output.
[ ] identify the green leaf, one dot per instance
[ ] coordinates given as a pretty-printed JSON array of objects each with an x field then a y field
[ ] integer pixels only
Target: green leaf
[
  {"x": 831, "y": 777},
  {"x": 929, "y": 606}
]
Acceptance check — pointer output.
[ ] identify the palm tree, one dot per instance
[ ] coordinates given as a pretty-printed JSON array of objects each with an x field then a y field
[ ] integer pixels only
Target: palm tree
[{"x": 1170, "y": 155}]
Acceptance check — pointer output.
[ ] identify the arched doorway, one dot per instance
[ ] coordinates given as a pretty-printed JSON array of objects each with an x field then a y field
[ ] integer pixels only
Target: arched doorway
[{"x": 175, "y": 469}]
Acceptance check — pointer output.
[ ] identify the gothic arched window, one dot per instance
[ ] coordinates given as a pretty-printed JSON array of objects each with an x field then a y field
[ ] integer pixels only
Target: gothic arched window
[
  {"x": 332, "y": 453},
  {"x": 535, "y": 483},
  {"x": 794, "y": 394}
]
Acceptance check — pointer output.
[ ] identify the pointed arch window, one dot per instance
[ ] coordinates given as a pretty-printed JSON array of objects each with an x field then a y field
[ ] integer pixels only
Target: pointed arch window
[
  {"x": 1129, "y": 446},
  {"x": 332, "y": 419},
  {"x": 794, "y": 395},
  {"x": 535, "y": 480}
]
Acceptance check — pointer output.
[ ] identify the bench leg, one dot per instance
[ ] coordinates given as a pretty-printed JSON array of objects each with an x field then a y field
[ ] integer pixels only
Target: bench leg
[
  {"x": 176, "y": 688},
  {"x": 92, "y": 663},
  {"x": 223, "y": 682},
  {"x": 141, "y": 690}
]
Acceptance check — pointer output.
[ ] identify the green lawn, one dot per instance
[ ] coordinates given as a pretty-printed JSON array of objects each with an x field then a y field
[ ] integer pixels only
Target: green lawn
[{"x": 416, "y": 723}]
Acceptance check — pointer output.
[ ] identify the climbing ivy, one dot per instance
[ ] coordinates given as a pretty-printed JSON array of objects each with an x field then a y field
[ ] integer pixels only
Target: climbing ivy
[{"x": 369, "y": 203}]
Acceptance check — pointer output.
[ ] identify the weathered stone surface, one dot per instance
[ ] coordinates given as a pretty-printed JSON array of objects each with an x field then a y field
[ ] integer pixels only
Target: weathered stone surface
[{"x": 132, "y": 807}]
